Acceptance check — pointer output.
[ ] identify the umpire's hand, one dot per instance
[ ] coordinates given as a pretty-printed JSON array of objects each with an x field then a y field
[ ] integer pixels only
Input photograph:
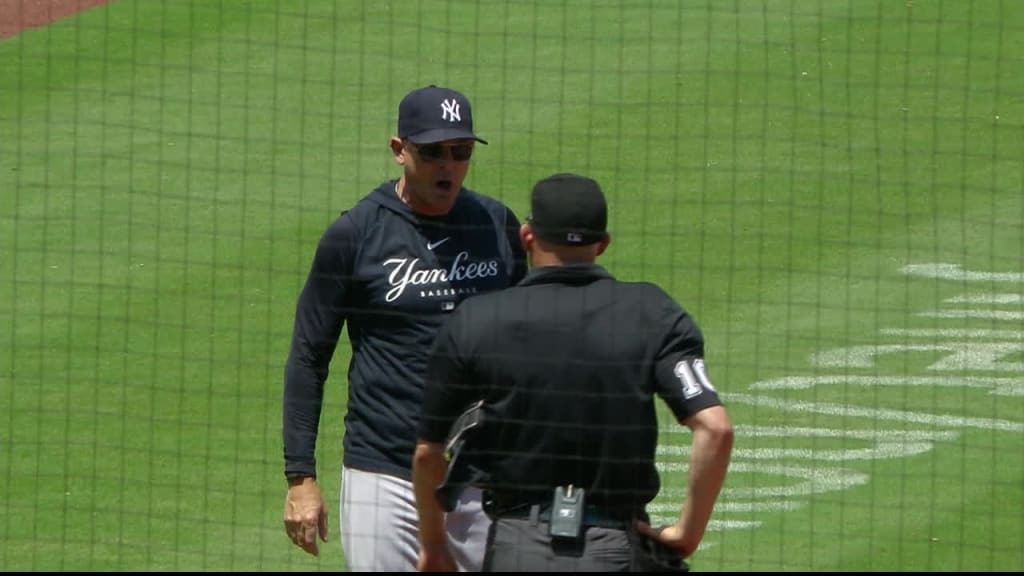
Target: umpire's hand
[
  {"x": 674, "y": 536},
  {"x": 305, "y": 515}
]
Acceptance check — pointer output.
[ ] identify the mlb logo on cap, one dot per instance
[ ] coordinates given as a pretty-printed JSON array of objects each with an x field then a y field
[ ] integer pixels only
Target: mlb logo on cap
[{"x": 435, "y": 114}]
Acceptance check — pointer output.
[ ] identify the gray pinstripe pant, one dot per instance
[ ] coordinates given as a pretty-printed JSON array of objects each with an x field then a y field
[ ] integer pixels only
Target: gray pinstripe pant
[{"x": 379, "y": 526}]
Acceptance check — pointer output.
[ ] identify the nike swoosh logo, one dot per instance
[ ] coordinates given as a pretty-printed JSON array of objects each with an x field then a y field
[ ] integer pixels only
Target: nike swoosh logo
[{"x": 432, "y": 245}]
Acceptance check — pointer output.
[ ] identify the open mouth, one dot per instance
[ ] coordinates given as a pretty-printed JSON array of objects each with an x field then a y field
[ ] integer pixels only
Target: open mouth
[{"x": 444, "y": 185}]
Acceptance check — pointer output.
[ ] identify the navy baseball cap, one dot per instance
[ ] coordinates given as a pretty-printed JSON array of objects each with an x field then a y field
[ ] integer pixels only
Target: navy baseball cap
[
  {"x": 568, "y": 209},
  {"x": 435, "y": 114}
]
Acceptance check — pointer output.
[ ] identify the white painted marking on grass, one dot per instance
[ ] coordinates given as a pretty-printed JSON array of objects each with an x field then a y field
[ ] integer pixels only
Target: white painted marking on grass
[
  {"x": 946, "y": 271},
  {"x": 814, "y": 480},
  {"x": 721, "y": 525},
  {"x": 886, "y": 443},
  {"x": 847, "y": 411},
  {"x": 879, "y": 452},
  {"x": 807, "y": 432},
  {"x": 960, "y": 350},
  {"x": 954, "y": 333},
  {"x": 713, "y": 526},
  {"x": 987, "y": 299},
  {"x": 882, "y": 450},
  {"x": 961, "y": 355},
  {"x": 999, "y": 386},
  {"x": 676, "y": 494},
  {"x": 1008, "y": 315}
]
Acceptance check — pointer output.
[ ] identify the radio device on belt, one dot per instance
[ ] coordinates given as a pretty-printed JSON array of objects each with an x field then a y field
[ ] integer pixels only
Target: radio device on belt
[{"x": 566, "y": 512}]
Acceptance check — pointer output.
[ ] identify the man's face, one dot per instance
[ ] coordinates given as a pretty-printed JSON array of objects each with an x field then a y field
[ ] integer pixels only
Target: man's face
[{"x": 436, "y": 171}]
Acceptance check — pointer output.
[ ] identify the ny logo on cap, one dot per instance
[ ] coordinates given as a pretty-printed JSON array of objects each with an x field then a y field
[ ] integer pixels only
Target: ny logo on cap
[{"x": 450, "y": 110}]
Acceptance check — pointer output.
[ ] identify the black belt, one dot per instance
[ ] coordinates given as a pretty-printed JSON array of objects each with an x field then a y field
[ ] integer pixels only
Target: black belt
[{"x": 592, "y": 515}]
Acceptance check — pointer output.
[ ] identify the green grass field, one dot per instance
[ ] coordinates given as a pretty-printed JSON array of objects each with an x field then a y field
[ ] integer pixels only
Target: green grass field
[{"x": 792, "y": 171}]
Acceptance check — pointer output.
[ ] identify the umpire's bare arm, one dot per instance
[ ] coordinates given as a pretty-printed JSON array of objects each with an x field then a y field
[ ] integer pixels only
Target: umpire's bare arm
[{"x": 711, "y": 448}]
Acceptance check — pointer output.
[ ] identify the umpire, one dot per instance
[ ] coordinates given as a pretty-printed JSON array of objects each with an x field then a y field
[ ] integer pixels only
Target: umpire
[{"x": 567, "y": 364}]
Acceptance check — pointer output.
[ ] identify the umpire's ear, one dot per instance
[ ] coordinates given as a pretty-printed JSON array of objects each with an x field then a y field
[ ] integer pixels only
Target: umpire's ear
[
  {"x": 526, "y": 236},
  {"x": 603, "y": 245}
]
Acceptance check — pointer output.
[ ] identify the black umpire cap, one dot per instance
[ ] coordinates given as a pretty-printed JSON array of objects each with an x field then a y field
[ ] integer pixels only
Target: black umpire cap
[
  {"x": 568, "y": 209},
  {"x": 435, "y": 114}
]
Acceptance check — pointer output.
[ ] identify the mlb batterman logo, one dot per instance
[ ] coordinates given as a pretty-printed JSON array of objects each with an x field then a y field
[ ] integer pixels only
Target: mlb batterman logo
[{"x": 450, "y": 110}]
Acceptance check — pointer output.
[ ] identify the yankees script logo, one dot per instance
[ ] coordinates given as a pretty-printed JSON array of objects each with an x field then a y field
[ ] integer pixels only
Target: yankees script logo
[
  {"x": 450, "y": 111},
  {"x": 405, "y": 273}
]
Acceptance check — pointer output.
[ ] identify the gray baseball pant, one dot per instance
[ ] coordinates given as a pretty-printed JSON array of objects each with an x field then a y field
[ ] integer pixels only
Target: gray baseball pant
[{"x": 379, "y": 527}]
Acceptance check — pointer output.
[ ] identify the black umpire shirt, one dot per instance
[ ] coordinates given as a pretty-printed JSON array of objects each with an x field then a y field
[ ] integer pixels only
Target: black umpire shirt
[
  {"x": 568, "y": 363},
  {"x": 392, "y": 276}
]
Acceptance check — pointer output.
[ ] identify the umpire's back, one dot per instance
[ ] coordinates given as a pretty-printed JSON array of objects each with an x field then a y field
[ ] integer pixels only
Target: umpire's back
[
  {"x": 565, "y": 362},
  {"x": 566, "y": 365}
]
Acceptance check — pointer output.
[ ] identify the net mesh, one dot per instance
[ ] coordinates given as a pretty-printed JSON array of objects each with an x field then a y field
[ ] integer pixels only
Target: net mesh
[{"x": 834, "y": 189}]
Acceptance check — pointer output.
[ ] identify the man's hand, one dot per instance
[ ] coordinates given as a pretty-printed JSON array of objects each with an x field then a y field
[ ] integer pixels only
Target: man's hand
[
  {"x": 673, "y": 535},
  {"x": 437, "y": 559},
  {"x": 305, "y": 515},
  {"x": 428, "y": 468}
]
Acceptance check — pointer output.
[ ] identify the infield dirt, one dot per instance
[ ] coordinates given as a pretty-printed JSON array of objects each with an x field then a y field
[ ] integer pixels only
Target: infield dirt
[{"x": 20, "y": 15}]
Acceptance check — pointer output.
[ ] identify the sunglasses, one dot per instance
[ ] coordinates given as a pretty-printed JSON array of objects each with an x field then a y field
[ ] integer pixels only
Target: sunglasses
[{"x": 435, "y": 152}]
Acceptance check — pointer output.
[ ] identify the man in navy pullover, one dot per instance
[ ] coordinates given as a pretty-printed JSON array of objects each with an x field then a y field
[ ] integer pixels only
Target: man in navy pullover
[{"x": 392, "y": 267}]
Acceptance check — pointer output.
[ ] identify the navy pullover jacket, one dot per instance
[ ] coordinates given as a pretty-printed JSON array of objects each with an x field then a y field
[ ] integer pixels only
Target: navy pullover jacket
[{"x": 393, "y": 276}]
